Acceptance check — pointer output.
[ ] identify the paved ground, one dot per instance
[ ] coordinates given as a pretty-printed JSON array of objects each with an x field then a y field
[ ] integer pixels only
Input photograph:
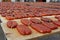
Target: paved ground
[
  {"x": 55, "y": 36},
  {"x": 2, "y": 36}
]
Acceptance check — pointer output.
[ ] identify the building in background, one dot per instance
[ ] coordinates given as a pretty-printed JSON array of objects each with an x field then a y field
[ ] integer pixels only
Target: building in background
[
  {"x": 20, "y": 0},
  {"x": 52, "y": 0},
  {"x": 29, "y": 0}
]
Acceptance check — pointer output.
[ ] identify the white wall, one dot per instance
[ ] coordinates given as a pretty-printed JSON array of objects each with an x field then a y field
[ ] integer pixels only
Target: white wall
[
  {"x": 0, "y": 0},
  {"x": 13, "y": 0},
  {"x": 47, "y": 0}
]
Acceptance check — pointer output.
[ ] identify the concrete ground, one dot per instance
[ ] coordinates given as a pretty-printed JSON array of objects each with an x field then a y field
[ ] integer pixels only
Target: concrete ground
[{"x": 2, "y": 36}]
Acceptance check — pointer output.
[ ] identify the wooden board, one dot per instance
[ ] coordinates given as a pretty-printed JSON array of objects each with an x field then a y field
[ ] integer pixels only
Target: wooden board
[{"x": 12, "y": 34}]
